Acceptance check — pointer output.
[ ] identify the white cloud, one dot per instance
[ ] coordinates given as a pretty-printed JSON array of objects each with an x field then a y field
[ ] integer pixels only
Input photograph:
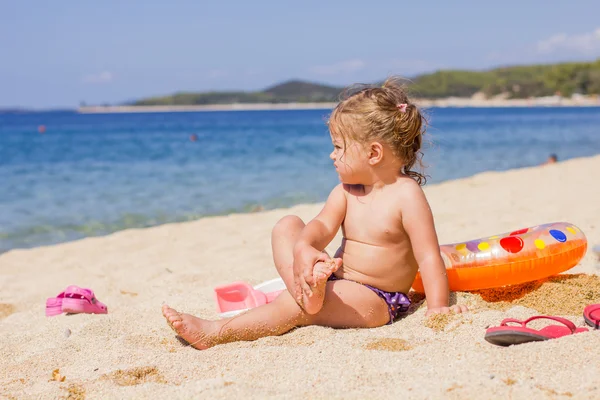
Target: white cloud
[
  {"x": 585, "y": 44},
  {"x": 102, "y": 77},
  {"x": 559, "y": 47},
  {"x": 342, "y": 67}
]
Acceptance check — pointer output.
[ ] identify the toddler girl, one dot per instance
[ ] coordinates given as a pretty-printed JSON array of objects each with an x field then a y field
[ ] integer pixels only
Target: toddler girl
[{"x": 387, "y": 226}]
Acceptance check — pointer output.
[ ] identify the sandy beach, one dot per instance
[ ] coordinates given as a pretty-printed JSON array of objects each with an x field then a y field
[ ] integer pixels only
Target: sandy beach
[{"x": 132, "y": 353}]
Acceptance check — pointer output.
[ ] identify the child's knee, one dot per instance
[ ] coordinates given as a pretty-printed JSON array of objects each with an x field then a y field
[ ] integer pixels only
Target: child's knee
[{"x": 287, "y": 223}]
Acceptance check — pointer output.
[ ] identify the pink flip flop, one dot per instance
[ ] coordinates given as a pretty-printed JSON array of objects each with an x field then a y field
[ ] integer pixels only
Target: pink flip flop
[
  {"x": 591, "y": 314},
  {"x": 54, "y": 305},
  {"x": 506, "y": 335},
  {"x": 80, "y": 300}
]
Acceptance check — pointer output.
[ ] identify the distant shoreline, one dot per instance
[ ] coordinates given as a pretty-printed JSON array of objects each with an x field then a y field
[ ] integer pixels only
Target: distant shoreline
[
  {"x": 208, "y": 107},
  {"x": 550, "y": 101}
]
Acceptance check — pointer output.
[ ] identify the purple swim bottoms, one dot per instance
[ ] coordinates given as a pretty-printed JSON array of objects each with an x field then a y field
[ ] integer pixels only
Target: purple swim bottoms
[{"x": 397, "y": 302}]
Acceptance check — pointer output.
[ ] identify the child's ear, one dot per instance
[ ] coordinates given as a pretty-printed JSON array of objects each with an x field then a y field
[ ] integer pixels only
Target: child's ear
[{"x": 375, "y": 153}]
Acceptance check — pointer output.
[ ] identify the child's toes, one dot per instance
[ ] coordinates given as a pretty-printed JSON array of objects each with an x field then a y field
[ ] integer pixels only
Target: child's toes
[
  {"x": 321, "y": 272},
  {"x": 337, "y": 263},
  {"x": 322, "y": 275},
  {"x": 331, "y": 266}
]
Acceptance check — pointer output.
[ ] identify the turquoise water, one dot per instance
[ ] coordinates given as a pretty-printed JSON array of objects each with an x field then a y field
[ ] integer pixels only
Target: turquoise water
[{"x": 90, "y": 175}]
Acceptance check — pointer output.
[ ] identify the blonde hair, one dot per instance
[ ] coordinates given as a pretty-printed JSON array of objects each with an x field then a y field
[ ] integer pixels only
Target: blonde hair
[{"x": 383, "y": 113}]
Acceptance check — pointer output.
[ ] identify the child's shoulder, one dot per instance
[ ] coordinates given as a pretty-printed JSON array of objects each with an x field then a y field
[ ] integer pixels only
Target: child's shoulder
[
  {"x": 407, "y": 190},
  {"x": 339, "y": 192},
  {"x": 407, "y": 186}
]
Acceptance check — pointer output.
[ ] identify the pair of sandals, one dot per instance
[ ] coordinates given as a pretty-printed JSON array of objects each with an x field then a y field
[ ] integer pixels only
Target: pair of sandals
[
  {"x": 506, "y": 335},
  {"x": 75, "y": 300}
]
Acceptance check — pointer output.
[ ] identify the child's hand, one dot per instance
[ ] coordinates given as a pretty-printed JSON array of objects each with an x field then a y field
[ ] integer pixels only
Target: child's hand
[
  {"x": 305, "y": 258},
  {"x": 456, "y": 309}
]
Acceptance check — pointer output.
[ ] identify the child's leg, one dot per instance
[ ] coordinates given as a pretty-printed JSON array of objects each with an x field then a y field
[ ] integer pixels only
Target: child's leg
[
  {"x": 348, "y": 305},
  {"x": 283, "y": 238}
]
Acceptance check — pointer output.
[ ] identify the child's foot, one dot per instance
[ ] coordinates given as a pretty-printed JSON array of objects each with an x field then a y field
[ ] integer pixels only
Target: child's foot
[
  {"x": 321, "y": 272},
  {"x": 195, "y": 331}
]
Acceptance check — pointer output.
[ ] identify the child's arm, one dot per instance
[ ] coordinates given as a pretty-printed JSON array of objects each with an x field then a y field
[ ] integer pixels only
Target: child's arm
[
  {"x": 315, "y": 236},
  {"x": 417, "y": 220}
]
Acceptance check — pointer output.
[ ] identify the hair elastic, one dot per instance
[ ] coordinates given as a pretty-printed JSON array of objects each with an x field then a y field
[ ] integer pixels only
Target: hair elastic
[{"x": 402, "y": 107}]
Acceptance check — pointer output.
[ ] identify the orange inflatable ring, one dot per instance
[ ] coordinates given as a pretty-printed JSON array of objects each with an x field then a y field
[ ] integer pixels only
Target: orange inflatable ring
[{"x": 521, "y": 256}]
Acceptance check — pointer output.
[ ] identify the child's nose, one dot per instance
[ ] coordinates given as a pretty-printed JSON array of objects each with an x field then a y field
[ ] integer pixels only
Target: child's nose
[{"x": 332, "y": 155}]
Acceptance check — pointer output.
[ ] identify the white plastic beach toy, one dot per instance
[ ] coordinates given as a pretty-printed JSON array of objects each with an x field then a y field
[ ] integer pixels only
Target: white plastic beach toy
[{"x": 237, "y": 297}]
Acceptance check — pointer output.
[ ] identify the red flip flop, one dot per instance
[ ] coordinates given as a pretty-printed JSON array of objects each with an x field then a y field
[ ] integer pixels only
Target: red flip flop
[
  {"x": 505, "y": 335},
  {"x": 591, "y": 314}
]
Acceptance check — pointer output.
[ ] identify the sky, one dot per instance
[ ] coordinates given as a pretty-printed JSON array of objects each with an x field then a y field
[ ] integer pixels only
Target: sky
[{"x": 62, "y": 53}]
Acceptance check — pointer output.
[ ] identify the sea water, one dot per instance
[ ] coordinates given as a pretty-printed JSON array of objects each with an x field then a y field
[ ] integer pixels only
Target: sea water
[{"x": 93, "y": 174}]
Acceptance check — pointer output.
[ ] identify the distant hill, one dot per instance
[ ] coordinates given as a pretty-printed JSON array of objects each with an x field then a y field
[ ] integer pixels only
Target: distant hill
[
  {"x": 299, "y": 91},
  {"x": 521, "y": 81},
  {"x": 292, "y": 91},
  {"x": 512, "y": 82}
]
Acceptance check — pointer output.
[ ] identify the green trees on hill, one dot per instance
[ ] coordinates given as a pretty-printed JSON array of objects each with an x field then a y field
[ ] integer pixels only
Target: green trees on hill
[
  {"x": 180, "y": 99},
  {"x": 292, "y": 91},
  {"x": 525, "y": 81},
  {"x": 565, "y": 79},
  {"x": 298, "y": 91},
  {"x": 449, "y": 83}
]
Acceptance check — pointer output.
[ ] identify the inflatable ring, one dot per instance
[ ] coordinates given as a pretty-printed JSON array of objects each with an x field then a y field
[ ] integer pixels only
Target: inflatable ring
[{"x": 517, "y": 257}]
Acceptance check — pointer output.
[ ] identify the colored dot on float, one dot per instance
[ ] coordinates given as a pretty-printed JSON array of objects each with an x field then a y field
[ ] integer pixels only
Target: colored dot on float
[
  {"x": 483, "y": 246},
  {"x": 571, "y": 230},
  {"x": 461, "y": 246},
  {"x": 494, "y": 237},
  {"x": 473, "y": 246},
  {"x": 539, "y": 243},
  {"x": 512, "y": 244},
  {"x": 520, "y": 231},
  {"x": 558, "y": 235}
]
